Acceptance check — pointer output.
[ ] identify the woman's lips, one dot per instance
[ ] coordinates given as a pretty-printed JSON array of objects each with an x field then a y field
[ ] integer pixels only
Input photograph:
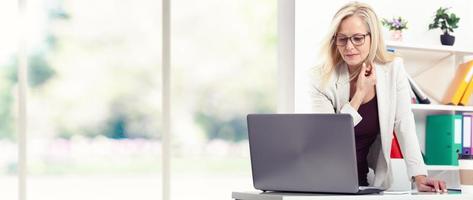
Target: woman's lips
[{"x": 350, "y": 55}]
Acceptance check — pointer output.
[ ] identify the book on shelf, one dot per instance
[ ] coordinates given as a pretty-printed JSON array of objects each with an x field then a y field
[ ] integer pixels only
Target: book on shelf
[
  {"x": 395, "y": 148},
  {"x": 467, "y": 139},
  {"x": 467, "y": 94},
  {"x": 457, "y": 88},
  {"x": 443, "y": 139},
  {"x": 420, "y": 96},
  {"x": 413, "y": 97},
  {"x": 417, "y": 95}
]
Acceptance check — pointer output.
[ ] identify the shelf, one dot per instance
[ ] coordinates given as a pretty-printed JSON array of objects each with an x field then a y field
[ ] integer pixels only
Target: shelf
[
  {"x": 422, "y": 58},
  {"x": 432, "y": 48},
  {"x": 442, "y": 167},
  {"x": 433, "y": 107},
  {"x": 421, "y": 111}
]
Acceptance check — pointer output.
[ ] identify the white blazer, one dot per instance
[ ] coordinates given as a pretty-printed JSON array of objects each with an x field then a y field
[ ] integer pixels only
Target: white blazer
[{"x": 394, "y": 111}]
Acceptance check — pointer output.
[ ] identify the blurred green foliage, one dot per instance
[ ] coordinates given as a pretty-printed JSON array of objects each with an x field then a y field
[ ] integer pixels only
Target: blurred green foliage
[
  {"x": 39, "y": 72},
  {"x": 6, "y": 105},
  {"x": 97, "y": 71}
]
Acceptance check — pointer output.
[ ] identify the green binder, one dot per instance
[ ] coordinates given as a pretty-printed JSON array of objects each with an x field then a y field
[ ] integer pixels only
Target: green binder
[{"x": 443, "y": 139}]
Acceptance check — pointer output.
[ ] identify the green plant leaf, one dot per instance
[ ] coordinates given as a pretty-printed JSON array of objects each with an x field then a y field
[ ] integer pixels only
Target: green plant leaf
[
  {"x": 432, "y": 26},
  {"x": 439, "y": 11},
  {"x": 444, "y": 20},
  {"x": 436, "y": 22}
]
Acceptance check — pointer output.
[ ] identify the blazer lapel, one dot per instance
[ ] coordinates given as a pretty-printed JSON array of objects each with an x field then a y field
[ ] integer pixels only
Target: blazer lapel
[
  {"x": 383, "y": 111},
  {"x": 343, "y": 86}
]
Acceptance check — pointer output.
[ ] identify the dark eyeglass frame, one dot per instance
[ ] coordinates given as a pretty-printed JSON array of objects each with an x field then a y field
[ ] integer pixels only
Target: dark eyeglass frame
[{"x": 351, "y": 39}]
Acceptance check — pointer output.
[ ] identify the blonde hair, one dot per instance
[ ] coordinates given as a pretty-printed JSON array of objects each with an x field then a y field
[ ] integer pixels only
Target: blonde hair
[{"x": 330, "y": 56}]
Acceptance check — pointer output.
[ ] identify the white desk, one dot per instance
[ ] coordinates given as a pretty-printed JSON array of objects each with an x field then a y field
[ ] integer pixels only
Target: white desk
[{"x": 452, "y": 195}]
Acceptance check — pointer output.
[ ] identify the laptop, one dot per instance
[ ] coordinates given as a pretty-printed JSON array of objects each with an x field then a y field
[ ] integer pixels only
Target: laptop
[{"x": 304, "y": 153}]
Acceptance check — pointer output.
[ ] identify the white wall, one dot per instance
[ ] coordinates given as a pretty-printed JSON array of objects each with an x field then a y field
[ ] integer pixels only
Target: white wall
[{"x": 313, "y": 19}]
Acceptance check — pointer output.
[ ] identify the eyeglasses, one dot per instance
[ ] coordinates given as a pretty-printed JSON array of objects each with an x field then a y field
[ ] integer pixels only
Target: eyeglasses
[{"x": 356, "y": 40}]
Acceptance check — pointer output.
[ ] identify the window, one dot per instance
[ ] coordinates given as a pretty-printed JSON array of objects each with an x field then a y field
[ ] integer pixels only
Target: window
[
  {"x": 223, "y": 67},
  {"x": 94, "y": 99},
  {"x": 94, "y": 115},
  {"x": 8, "y": 99}
]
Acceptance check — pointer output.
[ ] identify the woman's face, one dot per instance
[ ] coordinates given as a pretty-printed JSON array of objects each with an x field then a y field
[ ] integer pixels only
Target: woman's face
[{"x": 353, "y": 40}]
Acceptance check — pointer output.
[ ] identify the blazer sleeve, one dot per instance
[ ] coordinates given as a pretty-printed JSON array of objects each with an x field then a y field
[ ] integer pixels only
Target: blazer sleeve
[
  {"x": 320, "y": 102},
  {"x": 323, "y": 101},
  {"x": 404, "y": 124}
]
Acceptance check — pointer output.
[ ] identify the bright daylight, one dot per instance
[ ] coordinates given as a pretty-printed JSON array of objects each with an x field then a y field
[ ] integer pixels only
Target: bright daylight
[
  {"x": 236, "y": 100},
  {"x": 94, "y": 96}
]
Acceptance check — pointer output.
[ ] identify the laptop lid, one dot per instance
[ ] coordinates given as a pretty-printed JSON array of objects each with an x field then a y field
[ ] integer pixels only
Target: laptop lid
[{"x": 303, "y": 152}]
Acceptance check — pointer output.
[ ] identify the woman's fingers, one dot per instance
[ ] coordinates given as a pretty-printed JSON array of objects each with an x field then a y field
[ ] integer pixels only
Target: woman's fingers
[
  {"x": 373, "y": 68},
  {"x": 422, "y": 187},
  {"x": 439, "y": 186},
  {"x": 372, "y": 73},
  {"x": 443, "y": 186},
  {"x": 363, "y": 70},
  {"x": 436, "y": 185},
  {"x": 431, "y": 185}
]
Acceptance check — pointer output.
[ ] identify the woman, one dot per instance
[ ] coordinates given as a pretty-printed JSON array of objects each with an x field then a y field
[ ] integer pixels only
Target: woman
[{"x": 359, "y": 77}]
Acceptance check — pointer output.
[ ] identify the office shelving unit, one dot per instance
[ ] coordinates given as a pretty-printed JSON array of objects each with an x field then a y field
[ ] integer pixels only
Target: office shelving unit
[
  {"x": 422, "y": 110},
  {"x": 432, "y": 48}
]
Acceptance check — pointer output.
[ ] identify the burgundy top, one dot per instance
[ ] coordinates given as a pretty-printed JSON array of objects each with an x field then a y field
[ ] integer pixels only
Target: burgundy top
[{"x": 365, "y": 133}]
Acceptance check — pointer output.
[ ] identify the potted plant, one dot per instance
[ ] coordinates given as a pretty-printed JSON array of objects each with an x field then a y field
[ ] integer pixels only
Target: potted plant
[
  {"x": 396, "y": 25},
  {"x": 446, "y": 21}
]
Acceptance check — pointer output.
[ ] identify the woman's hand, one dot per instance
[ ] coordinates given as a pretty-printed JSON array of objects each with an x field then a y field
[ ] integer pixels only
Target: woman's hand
[
  {"x": 425, "y": 184},
  {"x": 364, "y": 84},
  {"x": 366, "y": 79}
]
